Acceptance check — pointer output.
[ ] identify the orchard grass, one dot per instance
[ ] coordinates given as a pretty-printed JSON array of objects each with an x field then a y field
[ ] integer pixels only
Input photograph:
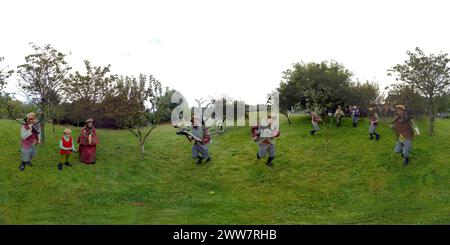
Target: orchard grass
[{"x": 355, "y": 181}]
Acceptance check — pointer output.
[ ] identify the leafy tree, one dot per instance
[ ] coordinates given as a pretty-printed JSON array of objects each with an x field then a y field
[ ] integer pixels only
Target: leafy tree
[
  {"x": 430, "y": 75},
  {"x": 42, "y": 78},
  {"x": 443, "y": 103},
  {"x": 3, "y": 105},
  {"x": 4, "y": 97},
  {"x": 405, "y": 94},
  {"x": 165, "y": 105},
  {"x": 127, "y": 98},
  {"x": 319, "y": 108},
  {"x": 20, "y": 108},
  {"x": 4, "y": 75},
  {"x": 88, "y": 91},
  {"x": 289, "y": 98},
  {"x": 307, "y": 84},
  {"x": 93, "y": 86},
  {"x": 364, "y": 95},
  {"x": 144, "y": 112}
]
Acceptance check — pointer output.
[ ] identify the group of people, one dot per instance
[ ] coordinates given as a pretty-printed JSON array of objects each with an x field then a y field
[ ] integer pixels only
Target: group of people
[
  {"x": 354, "y": 112},
  {"x": 31, "y": 136},
  {"x": 403, "y": 125},
  {"x": 263, "y": 134},
  {"x": 338, "y": 114}
]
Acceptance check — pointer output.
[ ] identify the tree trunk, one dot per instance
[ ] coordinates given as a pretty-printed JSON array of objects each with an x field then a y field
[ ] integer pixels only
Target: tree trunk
[
  {"x": 43, "y": 131},
  {"x": 53, "y": 125},
  {"x": 142, "y": 144},
  {"x": 431, "y": 126},
  {"x": 431, "y": 114},
  {"x": 287, "y": 116}
]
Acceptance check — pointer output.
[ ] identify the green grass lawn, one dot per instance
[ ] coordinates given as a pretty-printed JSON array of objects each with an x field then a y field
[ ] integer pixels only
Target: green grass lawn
[{"x": 355, "y": 181}]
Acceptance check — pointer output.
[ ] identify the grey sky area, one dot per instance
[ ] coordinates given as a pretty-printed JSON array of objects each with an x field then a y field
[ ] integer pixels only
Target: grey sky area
[{"x": 234, "y": 48}]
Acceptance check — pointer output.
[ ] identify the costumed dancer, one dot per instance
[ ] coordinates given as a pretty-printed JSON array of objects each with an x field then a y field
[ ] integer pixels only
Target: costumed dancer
[
  {"x": 264, "y": 136},
  {"x": 315, "y": 119},
  {"x": 405, "y": 129},
  {"x": 338, "y": 115},
  {"x": 201, "y": 138},
  {"x": 88, "y": 141},
  {"x": 373, "y": 123},
  {"x": 355, "y": 116},
  {"x": 30, "y": 137}
]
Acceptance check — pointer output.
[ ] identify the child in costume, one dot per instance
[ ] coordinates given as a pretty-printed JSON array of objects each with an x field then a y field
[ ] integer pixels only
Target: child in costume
[{"x": 67, "y": 146}]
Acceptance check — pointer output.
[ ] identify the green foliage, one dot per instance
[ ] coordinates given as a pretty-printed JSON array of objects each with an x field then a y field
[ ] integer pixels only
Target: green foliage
[
  {"x": 4, "y": 75},
  {"x": 92, "y": 87},
  {"x": 43, "y": 74},
  {"x": 364, "y": 94},
  {"x": 42, "y": 78},
  {"x": 325, "y": 85},
  {"x": 356, "y": 181},
  {"x": 314, "y": 83},
  {"x": 4, "y": 100},
  {"x": 404, "y": 94},
  {"x": 429, "y": 75},
  {"x": 19, "y": 108},
  {"x": 144, "y": 107},
  {"x": 114, "y": 101},
  {"x": 165, "y": 106},
  {"x": 86, "y": 93}
]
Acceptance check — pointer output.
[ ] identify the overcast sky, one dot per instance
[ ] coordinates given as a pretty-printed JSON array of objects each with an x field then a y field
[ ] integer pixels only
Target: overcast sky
[{"x": 237, "y": 48}]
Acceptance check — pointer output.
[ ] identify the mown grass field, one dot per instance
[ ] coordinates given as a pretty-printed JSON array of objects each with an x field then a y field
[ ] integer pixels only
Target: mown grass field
[{"x": 355, "y": 181}]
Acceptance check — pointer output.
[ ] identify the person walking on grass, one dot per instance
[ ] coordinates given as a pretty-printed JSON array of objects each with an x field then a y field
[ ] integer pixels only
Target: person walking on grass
[
  {"x": 355, "y": 116},
  {"x": 201, "y": 138},
  {"x": 30, "y": 137},
  {"x": 338, "y": 114},
  {"x": 373, "y": 123},
  {"x": 405, "y": 129},
  {"x": 315, "y": 119},
  {"x": 264, "y": 136},
  {"x": 66, "y": 146}
]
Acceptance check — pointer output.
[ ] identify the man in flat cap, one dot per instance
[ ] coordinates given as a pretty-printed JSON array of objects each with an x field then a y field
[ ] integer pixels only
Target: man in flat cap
[{"x": 404, "y": 131}]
